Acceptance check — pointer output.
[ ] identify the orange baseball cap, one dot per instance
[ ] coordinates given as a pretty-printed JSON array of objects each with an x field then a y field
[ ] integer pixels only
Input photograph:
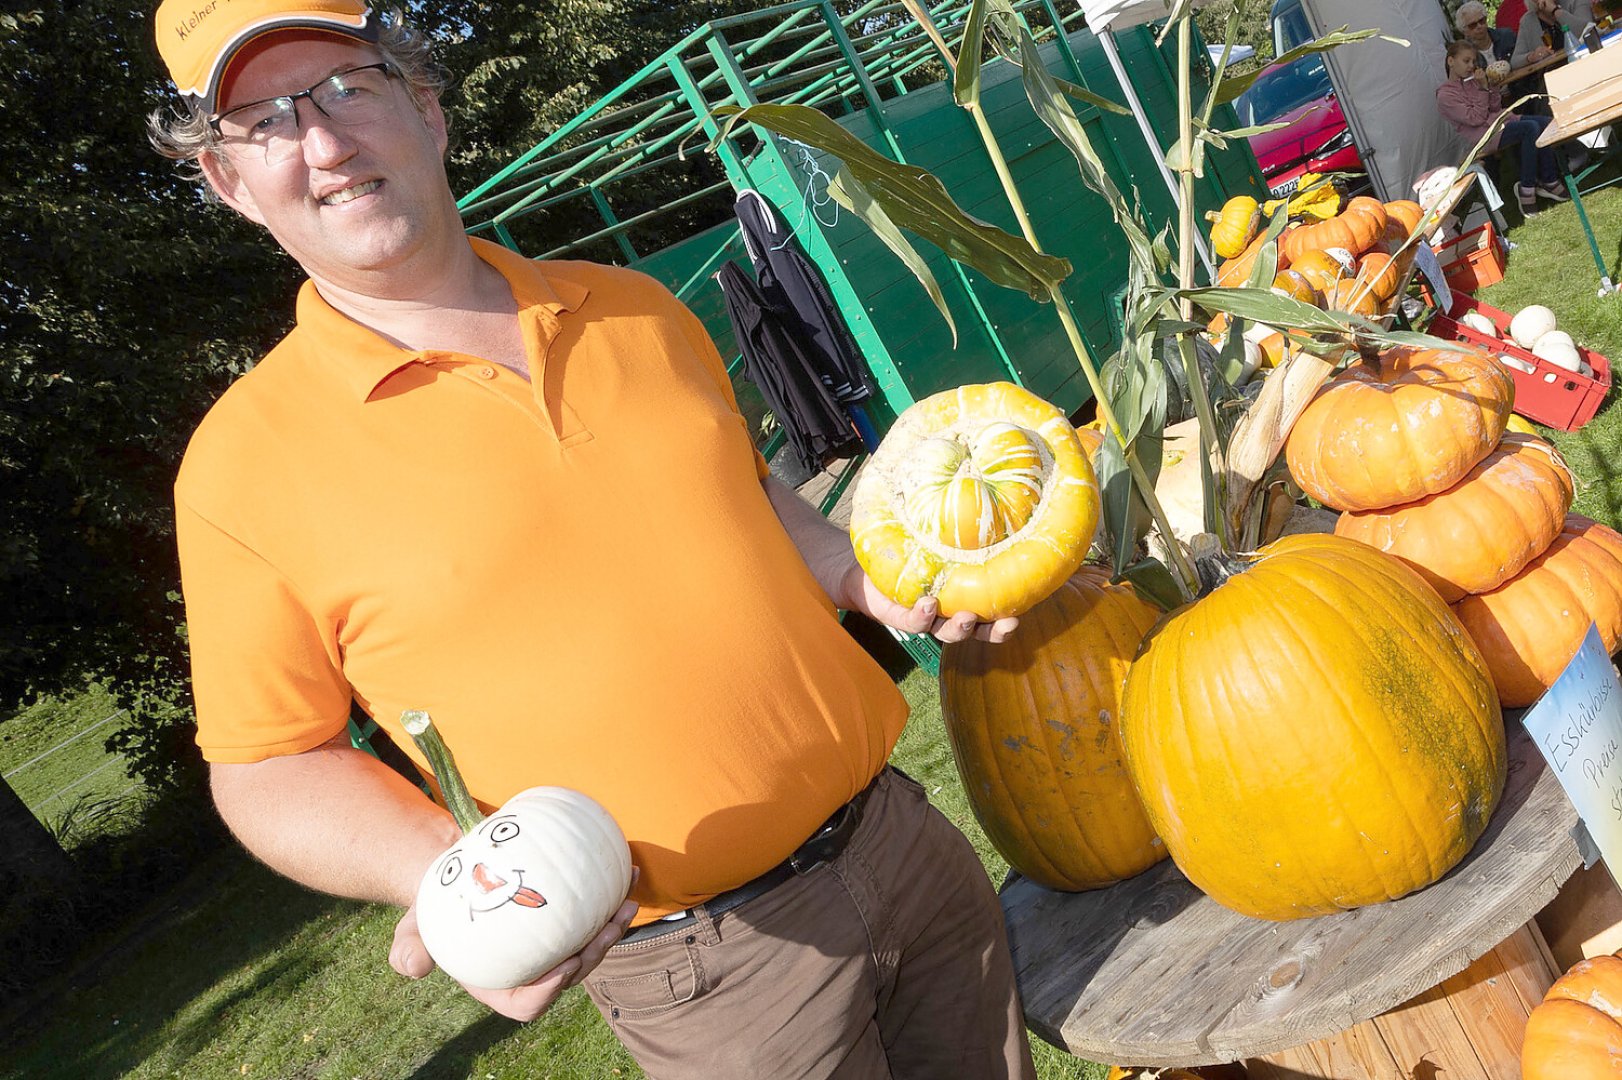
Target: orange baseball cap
[{"x": 197, "y": 38}]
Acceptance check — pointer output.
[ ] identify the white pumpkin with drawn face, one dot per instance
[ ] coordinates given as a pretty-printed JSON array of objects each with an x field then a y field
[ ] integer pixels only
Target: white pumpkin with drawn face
[{"x": 525, "y": 890}]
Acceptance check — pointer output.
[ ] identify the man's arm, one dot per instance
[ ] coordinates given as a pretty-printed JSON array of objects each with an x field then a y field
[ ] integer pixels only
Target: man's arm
[
  {"x": 338, "y": 820},
  {"x": 826, "y": 550}
]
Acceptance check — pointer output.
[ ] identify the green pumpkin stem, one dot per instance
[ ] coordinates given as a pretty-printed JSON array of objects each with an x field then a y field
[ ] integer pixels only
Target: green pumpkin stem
[{"x": 426, "y": 736}]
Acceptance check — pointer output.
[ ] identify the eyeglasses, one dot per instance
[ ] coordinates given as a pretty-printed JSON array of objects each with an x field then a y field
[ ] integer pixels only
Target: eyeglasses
[
  {"x": 357, "y": 96},
  {"x": 1473, "y": 23}
]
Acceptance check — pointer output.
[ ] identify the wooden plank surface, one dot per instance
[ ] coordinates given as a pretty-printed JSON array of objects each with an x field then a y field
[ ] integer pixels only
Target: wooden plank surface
[
  {"x": 1358, "y": 1051},
  {"x": 1153, "y": 972}
]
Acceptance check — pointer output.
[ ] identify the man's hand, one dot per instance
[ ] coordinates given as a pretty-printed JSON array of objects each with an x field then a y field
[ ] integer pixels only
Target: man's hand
[
  {"x": 1542, "y": 52},
  {"x": 923, "y": 617},
  {"x": 524, "y": 1003}
]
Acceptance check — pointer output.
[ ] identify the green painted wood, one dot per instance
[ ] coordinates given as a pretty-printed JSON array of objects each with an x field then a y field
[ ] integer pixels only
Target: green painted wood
[{"x": 1002, "y": 334}]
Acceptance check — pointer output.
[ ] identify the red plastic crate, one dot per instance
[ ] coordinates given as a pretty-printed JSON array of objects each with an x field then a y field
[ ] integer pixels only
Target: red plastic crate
[
  {"x": 1550, "y": 395},
  {"x": 1473, "y": 260}
]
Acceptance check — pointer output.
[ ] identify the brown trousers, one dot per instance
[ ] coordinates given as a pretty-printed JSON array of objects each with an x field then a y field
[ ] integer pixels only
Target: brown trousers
[{"x": 889, "y": 961}]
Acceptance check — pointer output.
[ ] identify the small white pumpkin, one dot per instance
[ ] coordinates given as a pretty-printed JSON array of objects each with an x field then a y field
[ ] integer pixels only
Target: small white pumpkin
[
  {"x": 1558, "y": 349},
  {"x": 1478, "y": 322},
  {"x": 1518, "y": 364},
  {"x": 525, "y": 888},
  {"x": 1530, "y": 323}
]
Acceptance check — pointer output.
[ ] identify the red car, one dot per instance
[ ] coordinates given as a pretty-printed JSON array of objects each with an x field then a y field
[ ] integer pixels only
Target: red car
[{"x": 1316, "y": 139}]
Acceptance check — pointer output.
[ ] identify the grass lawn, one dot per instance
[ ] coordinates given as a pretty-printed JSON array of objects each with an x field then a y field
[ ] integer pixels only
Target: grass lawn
[
  {"x": 241, "y": 974},
  {"x": 50, "y": 767},
  {"x": 1551, "y": 265}
]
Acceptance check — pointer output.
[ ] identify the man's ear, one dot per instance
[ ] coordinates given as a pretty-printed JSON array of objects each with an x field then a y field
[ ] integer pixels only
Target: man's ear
[
  {"x": 434, "y": 117},
  {"x": 227, "y": 183}
]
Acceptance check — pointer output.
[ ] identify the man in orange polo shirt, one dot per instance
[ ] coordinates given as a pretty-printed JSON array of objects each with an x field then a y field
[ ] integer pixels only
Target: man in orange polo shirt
[{"x": 520, "y": 496}]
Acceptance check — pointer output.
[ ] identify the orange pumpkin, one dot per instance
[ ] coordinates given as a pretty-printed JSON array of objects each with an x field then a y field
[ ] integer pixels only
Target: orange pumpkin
[
  {"x": 1235, "y": 272},
  {"x": 1483, "y": 530},
  {"x": 1321, "y": 269},
  {"x": 1530, "y": 627},
  {"x": 1033, "y": 727},
  {"x": 1576, "y": 1032},
  {"x": 1405, "y": 212},
  {"x": 1364, "y": 204},
  {"x": 1395, "y": 237},
  {"x": 1203, "y": 1072},
  {"x": 1293, "y": 283},
  {"x": 1355, "y": 297},
  {"x": 1352, "y": 233},
  {"x": 1379, "y": 271},
  {"x": 1411, "y": 426}
]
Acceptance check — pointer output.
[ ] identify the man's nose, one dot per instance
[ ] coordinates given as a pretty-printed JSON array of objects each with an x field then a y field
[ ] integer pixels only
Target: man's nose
[{"x": 323, "y": 142}]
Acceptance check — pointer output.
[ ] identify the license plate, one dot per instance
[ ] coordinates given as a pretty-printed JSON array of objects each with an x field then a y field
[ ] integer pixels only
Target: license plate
[{"x": 1286, "y": 188}]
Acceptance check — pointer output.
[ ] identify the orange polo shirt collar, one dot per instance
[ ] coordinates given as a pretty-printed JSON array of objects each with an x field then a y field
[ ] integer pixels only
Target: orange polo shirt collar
[{"x": 368, "y": 359}]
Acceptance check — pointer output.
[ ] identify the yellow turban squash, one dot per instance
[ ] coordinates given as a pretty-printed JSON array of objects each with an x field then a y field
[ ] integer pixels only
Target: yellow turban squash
[{"x": 980, "y": 496}]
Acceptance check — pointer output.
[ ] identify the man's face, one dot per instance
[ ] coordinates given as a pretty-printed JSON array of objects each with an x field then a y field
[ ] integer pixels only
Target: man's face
[
  {"x": 1475, "y": 31},
  {"x": 1546, "y": 8},
  {"x": 354, "y": 201}
]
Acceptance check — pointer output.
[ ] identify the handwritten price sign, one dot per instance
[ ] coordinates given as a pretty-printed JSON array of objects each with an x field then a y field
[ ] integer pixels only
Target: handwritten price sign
[{"x": 1578, "y": 726}]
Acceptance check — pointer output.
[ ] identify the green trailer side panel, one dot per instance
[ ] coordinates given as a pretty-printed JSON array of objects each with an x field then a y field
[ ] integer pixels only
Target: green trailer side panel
[
  {"x": 1069, "y": 220},
  {"x": 1001, "y": 333}
]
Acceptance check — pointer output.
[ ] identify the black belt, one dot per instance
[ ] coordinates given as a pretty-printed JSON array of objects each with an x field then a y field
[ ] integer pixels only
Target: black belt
[{"x": 824, "y": 846}]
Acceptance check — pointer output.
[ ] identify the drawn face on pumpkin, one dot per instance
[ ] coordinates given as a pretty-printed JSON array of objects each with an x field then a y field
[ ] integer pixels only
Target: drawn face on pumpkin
[
  {"x": 528, "y": 887},
  {"x": 483, "y": 875}
]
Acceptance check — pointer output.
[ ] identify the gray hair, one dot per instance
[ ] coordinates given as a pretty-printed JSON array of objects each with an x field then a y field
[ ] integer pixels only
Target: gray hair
[
  {"x": 1469, "y": 7},
  {"x": 183, "y": 133}
]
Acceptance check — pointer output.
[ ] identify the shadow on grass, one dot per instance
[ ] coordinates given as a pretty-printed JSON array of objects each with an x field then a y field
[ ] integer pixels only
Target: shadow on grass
[
  {"x": 456, "y": 1058},
  {"x": 109, "y": 1016}
]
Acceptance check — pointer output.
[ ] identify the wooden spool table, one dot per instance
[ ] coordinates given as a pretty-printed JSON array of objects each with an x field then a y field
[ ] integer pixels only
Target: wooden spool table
[{"x": 1153, "y": 972}]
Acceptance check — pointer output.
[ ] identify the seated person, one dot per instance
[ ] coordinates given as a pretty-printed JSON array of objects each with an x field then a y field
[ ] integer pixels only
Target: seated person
[
  {"x": 1497, "y": 44},
  {"x": 1543, "y": 29},
  {"x": 1468, "y": 103}
]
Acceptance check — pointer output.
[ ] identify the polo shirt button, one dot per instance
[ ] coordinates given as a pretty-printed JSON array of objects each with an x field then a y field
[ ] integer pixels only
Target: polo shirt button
[{"x": 487, "y": 372}]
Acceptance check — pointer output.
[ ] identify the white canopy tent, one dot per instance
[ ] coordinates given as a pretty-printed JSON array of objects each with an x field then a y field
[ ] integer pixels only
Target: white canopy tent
[{"x": 1387, "y": 90}]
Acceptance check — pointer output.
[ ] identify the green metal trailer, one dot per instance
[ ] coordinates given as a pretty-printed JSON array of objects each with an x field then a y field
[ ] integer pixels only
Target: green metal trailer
[{"x": 873, "y": 69}]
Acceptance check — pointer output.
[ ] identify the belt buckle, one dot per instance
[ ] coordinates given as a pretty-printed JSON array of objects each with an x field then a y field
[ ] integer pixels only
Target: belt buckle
[{"x": 826, "y": 843}]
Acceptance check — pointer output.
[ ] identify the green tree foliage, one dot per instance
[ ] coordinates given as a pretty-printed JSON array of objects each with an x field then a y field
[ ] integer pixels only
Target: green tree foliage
[
  {"x": 126, "y": 305},
  {"x": 1253, "y": 30}
]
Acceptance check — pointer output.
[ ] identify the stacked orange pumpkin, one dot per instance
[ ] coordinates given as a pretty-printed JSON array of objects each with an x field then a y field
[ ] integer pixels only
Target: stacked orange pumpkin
[{"x": 1416, "y": 456}]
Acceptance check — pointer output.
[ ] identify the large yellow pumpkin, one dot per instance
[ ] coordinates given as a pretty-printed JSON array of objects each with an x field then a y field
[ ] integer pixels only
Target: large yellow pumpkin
[
  {"x": 1033, "y": 727},
  {"x": 1318, "y": 733},
  {"x": 1576, "y": 1032},
  {"x": 981, "y": 497},
  {"x": 1480, "y": 532},
  {"x": 1531, "y": 626},
  {"x": 1412, "y": 426}
]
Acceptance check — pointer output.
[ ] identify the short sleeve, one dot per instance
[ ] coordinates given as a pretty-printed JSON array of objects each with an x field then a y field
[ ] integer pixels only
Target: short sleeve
[
  {"x": 265, "y": 678},
  {"x": 704, "y": 348}
]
